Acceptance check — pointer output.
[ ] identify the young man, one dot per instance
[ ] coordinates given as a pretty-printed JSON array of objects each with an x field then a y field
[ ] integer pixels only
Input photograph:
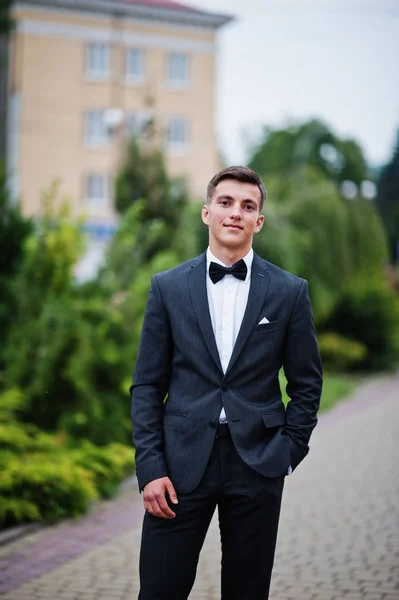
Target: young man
[{"x": 209, "y": 425}]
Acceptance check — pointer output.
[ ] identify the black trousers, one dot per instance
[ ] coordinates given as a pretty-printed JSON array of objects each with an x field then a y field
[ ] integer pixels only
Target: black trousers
[{"x": 249, "y": 510}]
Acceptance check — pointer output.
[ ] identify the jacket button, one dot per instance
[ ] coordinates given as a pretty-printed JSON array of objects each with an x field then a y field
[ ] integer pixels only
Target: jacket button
[{"x": 224, "y": 388}]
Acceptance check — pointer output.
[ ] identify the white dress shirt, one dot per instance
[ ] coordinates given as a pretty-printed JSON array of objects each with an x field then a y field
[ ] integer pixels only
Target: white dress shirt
[{"x": 227, "y": 301}]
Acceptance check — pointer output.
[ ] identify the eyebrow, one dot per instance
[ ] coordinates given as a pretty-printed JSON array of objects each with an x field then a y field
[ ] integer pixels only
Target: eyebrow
[
  {"x": 227, "y": 197},
  {"x": 224, "y": 197}
]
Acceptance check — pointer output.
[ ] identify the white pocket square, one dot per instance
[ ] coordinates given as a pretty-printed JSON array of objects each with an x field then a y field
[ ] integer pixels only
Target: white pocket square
[{"x": 264, "y": 321}]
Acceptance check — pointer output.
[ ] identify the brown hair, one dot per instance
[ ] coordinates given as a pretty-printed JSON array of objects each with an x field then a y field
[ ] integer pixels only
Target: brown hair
[{"x": 242, "y": 174}]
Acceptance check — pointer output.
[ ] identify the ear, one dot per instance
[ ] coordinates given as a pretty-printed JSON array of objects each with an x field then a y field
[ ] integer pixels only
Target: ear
[
  {"x": 259, "y": 223},
  {"x": 205, "y": 214}
]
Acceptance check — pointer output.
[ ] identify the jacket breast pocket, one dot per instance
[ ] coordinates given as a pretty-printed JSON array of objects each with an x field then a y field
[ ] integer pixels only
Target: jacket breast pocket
[{"x": 267, "y": 327}]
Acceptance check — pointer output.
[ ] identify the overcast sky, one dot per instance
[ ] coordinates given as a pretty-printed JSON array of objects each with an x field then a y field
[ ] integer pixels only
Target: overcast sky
[{"x": 284, "y": 61}]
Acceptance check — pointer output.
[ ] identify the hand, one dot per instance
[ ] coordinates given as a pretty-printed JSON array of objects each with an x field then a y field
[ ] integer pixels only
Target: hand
[{"x": 154, "y": 498}]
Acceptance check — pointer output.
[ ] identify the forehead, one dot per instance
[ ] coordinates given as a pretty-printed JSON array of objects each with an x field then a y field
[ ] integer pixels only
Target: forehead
[{"x": 238, "y": 190}]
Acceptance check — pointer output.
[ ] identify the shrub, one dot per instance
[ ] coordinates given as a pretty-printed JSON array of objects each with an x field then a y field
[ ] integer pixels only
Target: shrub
[
  {"x": 369, "y": 313},
  {"x": 339, "y": 353},
  {"x": 44, "y": 477},
  {"x": 37, "y": 487},
  {"x": 59, "y": 484},
  {"x": 21, "y": 438},
  {"x": 71, "y": 360},
  {"x": 109, "y": 465}
]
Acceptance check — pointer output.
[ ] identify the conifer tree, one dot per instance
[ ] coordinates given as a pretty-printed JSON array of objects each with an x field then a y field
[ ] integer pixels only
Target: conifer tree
[{"x": 14, "y": 230}]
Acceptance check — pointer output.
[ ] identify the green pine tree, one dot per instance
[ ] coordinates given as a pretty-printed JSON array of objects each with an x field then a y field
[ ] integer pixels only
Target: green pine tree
[
  {"x": 6, "y": 21},
  {"x": 14, "y": 230}
]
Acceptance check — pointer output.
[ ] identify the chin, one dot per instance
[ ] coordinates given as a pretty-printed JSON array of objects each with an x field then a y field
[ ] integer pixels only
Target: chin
[
  {"x": 234, "y": 235},
  {"x": 233, "y": 243}
]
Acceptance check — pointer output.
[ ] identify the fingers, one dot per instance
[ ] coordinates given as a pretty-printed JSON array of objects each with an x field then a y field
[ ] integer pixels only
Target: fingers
[
  {"x": 171, "y": 491},
  {"x": 154, "y": 498},
  {"x": 157, "y": 509}
]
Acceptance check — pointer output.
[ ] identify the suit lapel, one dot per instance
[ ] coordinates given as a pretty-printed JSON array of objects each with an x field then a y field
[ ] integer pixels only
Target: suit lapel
[
  {"x": 258, "y": 290},
  {"x": 199, "y": 299}
]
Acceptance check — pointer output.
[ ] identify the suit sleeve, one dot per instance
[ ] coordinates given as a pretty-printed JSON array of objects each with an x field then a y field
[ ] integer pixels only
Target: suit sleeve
[
  {"x": 303, "y": 370},
  {"x": 149, "y": 388}
]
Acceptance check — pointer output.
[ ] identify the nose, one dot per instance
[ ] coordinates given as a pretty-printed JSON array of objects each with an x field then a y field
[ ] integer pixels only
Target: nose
[{"x": 235, "y": 212}]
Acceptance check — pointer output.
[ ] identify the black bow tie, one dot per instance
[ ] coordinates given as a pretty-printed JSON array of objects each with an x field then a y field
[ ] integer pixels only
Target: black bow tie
[{"x": 217, "y": 272}]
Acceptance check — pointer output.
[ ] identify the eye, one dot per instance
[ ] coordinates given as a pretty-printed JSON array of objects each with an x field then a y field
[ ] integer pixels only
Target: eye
[{"x": 250, "y": 207}]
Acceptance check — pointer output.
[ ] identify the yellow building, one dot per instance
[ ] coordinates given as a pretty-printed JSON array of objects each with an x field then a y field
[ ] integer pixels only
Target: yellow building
[{"x": 81, "y": 73}]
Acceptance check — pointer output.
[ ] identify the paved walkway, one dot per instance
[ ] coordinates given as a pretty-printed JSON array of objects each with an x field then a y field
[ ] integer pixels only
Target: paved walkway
[{"x": 338, "y": 539}]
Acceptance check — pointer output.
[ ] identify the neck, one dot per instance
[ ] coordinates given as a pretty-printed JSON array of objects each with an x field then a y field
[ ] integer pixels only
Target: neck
[{"x": 228, "y": 256}]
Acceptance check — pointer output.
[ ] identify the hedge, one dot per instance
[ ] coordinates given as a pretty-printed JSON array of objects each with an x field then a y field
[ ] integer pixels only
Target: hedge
[{"x": 46, "y": 477}]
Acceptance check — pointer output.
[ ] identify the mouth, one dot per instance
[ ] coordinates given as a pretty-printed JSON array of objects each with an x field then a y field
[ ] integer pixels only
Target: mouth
[{"x": 230, "y": 226}]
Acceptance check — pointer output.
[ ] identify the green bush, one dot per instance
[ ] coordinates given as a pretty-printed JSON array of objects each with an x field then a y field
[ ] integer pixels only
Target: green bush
[
  {"x": 37, "y": 487},
  {"x": 22, "y": 438},
  {"x": 369, "y": 313},
  {"x": 109, "y": 465},
  {"x": 59, "y": 484},
  {"x": 339, "y": 353},
  {"x": 46, "y": 477},
  {"x": 71, "y": 360}
]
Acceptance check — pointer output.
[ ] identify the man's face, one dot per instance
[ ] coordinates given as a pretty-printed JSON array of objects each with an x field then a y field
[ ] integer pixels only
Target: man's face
[{"x": 233, "y": 215}]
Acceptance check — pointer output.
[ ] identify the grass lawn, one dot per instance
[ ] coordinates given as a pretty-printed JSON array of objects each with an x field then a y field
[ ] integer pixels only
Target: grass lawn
[{"x": 335, "y": 387}]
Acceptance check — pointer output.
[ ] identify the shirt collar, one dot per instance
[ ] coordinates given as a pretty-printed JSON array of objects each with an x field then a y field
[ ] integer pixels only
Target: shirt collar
[{"x": 247, "y": 259}]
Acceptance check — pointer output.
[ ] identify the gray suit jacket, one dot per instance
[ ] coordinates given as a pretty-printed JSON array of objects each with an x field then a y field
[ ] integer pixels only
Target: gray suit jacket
[{"x": 179, "y": 386}]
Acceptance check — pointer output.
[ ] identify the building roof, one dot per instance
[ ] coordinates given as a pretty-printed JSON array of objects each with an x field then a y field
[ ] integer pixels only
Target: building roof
[
  {"x": 154, "y": 10},
  {"x": 169, "y": 9},
  {"x": 169, "y": 4}
]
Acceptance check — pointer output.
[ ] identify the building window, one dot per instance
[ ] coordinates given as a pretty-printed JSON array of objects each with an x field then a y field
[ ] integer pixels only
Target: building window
[
  {"x": 178, "y": 70},
  {"x": 97, "y": 190},
  {"x": 95, "y": 128},
  {"x": 177, "y": 135},
  {"x": 134, "y": 65},
  {"x": 97, "y": 60}
]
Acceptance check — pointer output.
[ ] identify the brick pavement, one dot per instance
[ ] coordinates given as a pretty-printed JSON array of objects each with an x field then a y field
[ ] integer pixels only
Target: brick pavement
[{"x": 338, "y": 538}]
